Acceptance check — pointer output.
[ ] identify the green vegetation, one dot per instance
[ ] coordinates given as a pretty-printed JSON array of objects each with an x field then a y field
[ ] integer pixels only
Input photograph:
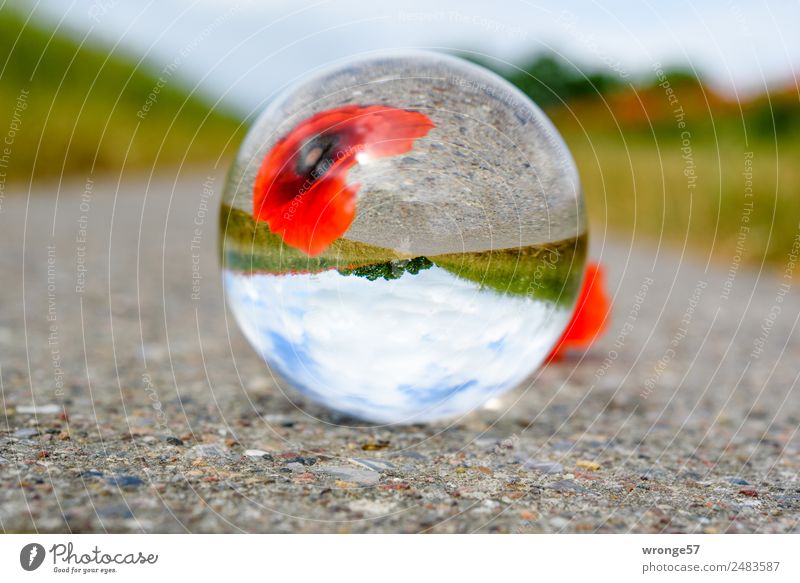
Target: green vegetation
[
  {"x": 249, "y": 246},
  {"x": 544, "y": 272},
  {"x": 549, "y": 272},
  {"x": 390, "y": 269},
  {"x": 668, "y": 159},
  {"x": 70, "y": 107}
]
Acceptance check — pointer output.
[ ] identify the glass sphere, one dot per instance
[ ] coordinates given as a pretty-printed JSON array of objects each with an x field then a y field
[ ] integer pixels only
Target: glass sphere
[{"x": 403, "y": 237}]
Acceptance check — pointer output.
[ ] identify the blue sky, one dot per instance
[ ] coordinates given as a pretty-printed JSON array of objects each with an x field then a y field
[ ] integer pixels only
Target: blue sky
[{"x": 243, "y": 51}]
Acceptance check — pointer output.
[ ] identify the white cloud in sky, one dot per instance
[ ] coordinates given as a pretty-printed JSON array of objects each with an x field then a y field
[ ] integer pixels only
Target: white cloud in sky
[{"x": 420, "y": 347}]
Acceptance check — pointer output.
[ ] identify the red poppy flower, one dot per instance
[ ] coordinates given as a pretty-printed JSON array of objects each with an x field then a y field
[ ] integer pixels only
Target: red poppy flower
[
  {"x": 301, "y": 189},
  {"x": 590, "y": 317}
]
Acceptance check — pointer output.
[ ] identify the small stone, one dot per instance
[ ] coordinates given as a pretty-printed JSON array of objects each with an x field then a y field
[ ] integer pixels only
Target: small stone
[
  {"x": 738, "y": 481},
  {"x": 413, "y": 455},
  {"x": 588, "y": 465},
  {"x": 749, "y": 492},
  {"x": 26, "y": 432},
  {"x": 91, "y": 474},
  {"x": 545, "y": 467},
  {"x": 343, "y": 473},
  {"x": 396, "y": 485},
  {"x": 258, "y": 453},
  {"x": 567, "y": 486},
  {"x": 371, "y": 507},
  {"x": 374, "y": 465},
  {"x": 296, "y": 467},
  {"x": 305, "y": 460},
  {"x": 376, "y": 445},
  {"x": 174, "y": 440},
  {"x": 208, "y": 450},
  {"x": 125, "y": 481},
  {"x": 559, "y": 522},
  {"x": 50, "y": 409}
]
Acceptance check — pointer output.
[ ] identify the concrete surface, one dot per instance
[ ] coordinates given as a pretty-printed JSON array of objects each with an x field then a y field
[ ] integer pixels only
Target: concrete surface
[{"x": 132, "y": 403}]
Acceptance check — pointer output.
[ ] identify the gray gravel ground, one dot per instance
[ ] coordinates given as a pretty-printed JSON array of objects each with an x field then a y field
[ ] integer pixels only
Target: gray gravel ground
[{"x": 133, "y": 404}]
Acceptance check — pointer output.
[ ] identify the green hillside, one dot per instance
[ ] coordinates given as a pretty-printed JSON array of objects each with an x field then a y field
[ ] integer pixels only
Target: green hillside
[{"x": 68, "y": 108}]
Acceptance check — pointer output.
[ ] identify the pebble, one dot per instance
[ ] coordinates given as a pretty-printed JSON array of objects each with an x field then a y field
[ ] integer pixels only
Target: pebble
[
  {"x": 296, "y": 467},
  {"x": 372, "y": 507},
  {"x": 588, "y": 465},
  {"x": 26, "y": 432},
  {"x": 738, "y": 481},
  {"x": 559, "y": 522},
  {"x": 376, "y": 445},
  {"x": 356, "y": 476},
  {"x": 50, "y": 409},
  {"x": 413, "y": 455},
  {"x": 91, "y": 474},
  {"x": 174, "y": 440},
  {"x": 304, "y": 460},
  {"x": 567, "y": 486},
  {"x": 258, "y": 453},
  {"x": 125, "y": 481},
  {"x": 544, "y": 467},
  {"x": 115, "y": 511},
  {"x": 563, "y": 445},
  {"x": 375, "y": 465},
  {"x": 208, "y": 450}
]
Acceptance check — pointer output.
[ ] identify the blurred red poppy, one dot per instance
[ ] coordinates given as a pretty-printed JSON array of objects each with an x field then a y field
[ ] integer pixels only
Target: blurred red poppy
[
  {"x": 591, "y": 315},
  {"x": 301, "y": 189}
]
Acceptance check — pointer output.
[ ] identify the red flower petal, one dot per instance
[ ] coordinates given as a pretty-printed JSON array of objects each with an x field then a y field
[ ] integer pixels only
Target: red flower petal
[
  {"x": 591, "y": 314},
  {"x": 301, "y": 189}
]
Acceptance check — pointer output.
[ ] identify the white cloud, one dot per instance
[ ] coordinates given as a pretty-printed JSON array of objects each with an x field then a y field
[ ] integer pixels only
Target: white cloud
[{"x": 421, "y": 347}]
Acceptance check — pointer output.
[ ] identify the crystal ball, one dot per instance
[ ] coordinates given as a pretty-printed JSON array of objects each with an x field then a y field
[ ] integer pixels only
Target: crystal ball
[{"x": 402, "y": 237}]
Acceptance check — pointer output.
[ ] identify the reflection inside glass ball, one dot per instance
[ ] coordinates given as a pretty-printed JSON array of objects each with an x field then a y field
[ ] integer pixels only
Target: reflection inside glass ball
[{"x": 403, "y": 237}]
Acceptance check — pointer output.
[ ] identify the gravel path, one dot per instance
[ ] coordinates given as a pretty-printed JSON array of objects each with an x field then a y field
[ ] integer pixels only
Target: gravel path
[{"x": 131, "y": 402}]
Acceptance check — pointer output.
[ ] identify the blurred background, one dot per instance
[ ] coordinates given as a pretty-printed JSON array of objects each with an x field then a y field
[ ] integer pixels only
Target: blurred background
[{"x": 684, "y": 118}]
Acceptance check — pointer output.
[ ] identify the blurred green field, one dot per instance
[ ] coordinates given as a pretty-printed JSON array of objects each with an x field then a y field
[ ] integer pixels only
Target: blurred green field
[
  {"x": 69, "y": 108},
  {"x": 667, "y": 160}
]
